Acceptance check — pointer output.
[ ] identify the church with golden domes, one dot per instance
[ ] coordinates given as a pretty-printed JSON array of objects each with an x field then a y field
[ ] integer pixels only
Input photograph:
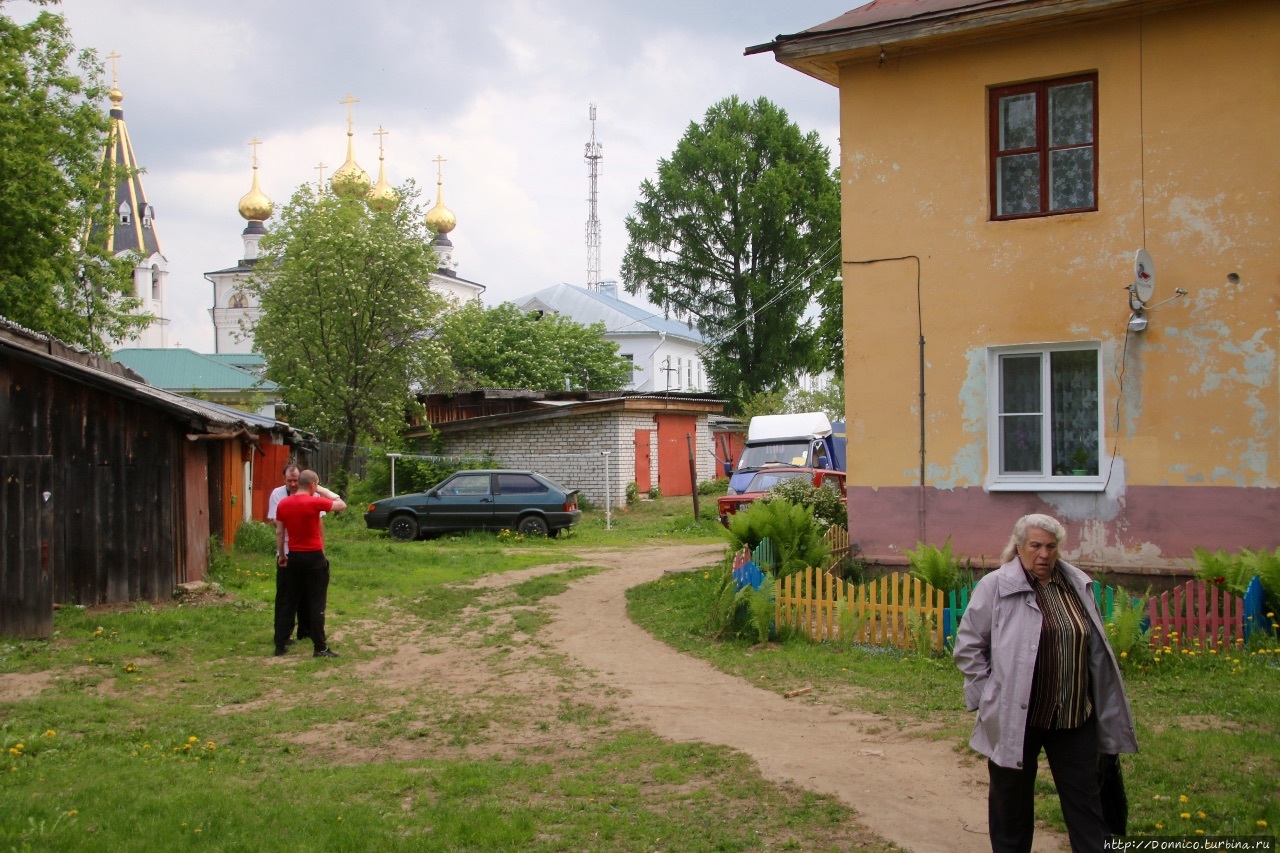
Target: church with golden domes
[{"x": 235, "y": 311}]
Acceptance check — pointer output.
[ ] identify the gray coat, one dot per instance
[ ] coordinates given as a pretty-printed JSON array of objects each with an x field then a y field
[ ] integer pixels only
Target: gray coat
[{"x": 996, "y": 649}]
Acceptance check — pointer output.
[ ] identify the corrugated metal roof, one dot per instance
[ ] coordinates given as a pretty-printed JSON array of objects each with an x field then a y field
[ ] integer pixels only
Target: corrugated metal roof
[
  {"x": 619, "y": 317},
  {"x": 180, "y": 369}
]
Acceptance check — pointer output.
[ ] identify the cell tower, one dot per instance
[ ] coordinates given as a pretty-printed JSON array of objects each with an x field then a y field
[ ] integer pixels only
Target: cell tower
[{"x": 594, "y": 154}]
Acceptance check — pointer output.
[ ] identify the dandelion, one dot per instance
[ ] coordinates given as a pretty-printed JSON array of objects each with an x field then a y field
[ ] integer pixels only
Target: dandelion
[
  {"x": 193, "y": 739},
  {"x": 1199, "y": 832},
  {"x": 1124, "y": 654},
  {"x": 72, "y": 813},
  {"x": 1200, "y": 815},
  {"x": 1185, "y": 815},
  {"x": 1182, "y": 798},
  {"x": 1159, "y": 826},
  {"x": 50, "y": 733},
  {"x": 1262, "y": 823}
]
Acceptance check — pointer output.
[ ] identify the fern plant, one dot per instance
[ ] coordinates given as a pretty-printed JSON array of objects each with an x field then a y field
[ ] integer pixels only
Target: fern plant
[
  {"x": 792, "y": 529},
  {"x": 760, "y": 604},
  {"x": 1234, "y": 571},
  {"x": 937, "y": 567},
  {"x": 1129, "y": 640},
  {"x": 920, "y": 626},
  {"x": 852, "y": 619}
]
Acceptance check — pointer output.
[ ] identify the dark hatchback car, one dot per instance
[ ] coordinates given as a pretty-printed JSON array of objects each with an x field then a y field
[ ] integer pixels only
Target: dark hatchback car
[{"x": 524, "y": 501}]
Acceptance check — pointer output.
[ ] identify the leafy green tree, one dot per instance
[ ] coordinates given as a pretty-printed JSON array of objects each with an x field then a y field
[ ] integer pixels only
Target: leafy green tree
[
  {"x": 52, "y": 135},
  {"x": 348, "y": 316},
  {"x": 739, "y": 231},
  {"x": 505, "y": 347}
]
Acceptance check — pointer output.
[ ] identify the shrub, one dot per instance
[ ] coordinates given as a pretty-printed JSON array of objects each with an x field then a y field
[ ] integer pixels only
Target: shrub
[
  {"x": 633, "y": 492},
  {"x": 792, "y": 528},
  {"x": 717, "y": 487},
  {"x": 256, "y": 537},
  {"x": 825, "y": 503},
  {"x": 655, "y": 493}
]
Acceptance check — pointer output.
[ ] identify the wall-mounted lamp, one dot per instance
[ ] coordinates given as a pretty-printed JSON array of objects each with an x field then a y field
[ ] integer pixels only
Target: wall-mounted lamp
[{"x": 1138, "y": 321}]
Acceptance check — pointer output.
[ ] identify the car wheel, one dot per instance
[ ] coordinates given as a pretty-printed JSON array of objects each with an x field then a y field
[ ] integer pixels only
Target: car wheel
[
  {"x": 404, "y": 527},
  {"x": 532, "y": 525}
]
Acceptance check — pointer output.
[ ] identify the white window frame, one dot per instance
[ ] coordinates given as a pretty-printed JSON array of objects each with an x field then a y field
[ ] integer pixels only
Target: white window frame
[{"x": 1046, "y": 482}]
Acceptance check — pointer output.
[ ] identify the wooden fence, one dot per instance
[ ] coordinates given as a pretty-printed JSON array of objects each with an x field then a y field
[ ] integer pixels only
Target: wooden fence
[
  {"x": 812, "y": 600},
  {"x": 1196, "y": 613}
]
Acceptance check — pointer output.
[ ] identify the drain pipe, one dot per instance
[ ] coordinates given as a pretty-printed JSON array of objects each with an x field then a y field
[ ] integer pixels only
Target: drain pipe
[{"x": 920, "y": 509}]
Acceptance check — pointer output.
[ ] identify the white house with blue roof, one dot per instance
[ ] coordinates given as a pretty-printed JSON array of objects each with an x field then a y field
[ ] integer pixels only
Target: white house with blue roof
[{"x": 666, "y": 355}]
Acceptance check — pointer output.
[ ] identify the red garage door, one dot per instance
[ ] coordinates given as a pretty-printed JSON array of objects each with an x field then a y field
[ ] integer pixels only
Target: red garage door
[{"x": 673, "y": 453}]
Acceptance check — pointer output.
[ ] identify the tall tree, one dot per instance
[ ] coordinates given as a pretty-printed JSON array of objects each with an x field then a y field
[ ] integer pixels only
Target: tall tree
[
  {"x": 553, "y": 350},
  {"x": 740, "y": 230},
  {"x": 348, "y": 316},
  {"x": 53, "y": 183}
]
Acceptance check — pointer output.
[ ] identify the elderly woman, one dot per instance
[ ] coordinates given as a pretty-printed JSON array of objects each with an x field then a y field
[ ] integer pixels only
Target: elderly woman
[{"x": 1040, "y": 673}]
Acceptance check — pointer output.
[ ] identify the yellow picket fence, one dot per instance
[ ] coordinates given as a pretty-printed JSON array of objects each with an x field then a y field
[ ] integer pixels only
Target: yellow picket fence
[
  {"x": 838, "y": 538},
  {"x": 811, "y": 601}
]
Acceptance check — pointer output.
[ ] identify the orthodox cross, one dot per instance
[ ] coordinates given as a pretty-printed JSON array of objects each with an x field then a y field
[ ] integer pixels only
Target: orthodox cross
[
  {"x": 380, "y": 133},
  {"x": 348, "y": 101},
  {"x": 439, "y": 161},
  {"x": 254, "y": 143},
  {"x": 113, "y": 56},
  {"x": 320, "y": 183}
]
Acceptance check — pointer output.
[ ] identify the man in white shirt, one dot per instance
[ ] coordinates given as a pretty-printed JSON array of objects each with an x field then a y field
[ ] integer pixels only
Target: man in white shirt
[{"x": 291, "y": 474}]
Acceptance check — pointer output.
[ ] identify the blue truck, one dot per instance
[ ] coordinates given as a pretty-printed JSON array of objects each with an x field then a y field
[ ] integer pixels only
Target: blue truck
[{"x": 805, "y": 440}]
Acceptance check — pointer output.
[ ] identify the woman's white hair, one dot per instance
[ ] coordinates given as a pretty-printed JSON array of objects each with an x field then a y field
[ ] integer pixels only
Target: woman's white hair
[{"x": 1047, "y": 523}]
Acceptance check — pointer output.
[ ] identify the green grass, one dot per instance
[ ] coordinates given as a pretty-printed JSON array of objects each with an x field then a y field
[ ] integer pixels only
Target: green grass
[
  {"x": 171, "y": 726},
  {"x": 1208, "y": 724}
]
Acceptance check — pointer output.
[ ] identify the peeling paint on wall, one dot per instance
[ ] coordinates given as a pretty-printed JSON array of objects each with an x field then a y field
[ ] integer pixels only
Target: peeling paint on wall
[
  {"x": 1091, "y": 506},
  {"x": 966, "y": 467}
]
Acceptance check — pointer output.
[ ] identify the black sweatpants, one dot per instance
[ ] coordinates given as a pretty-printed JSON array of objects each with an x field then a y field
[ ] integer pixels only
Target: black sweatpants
[
  {"x": 303, "y": 630},
  {"x": 304, "y": 582},
  {"x": 1073, "y": 760}
]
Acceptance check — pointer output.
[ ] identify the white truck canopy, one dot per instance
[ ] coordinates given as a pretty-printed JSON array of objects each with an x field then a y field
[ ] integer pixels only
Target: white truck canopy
[{"x": 807, "y": 424}]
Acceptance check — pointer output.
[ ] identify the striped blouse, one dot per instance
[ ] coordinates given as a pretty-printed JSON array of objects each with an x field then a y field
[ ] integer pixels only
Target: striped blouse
[{"x": 1060, "y": 686}]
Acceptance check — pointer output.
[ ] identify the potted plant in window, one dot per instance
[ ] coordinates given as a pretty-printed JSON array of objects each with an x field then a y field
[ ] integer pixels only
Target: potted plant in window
[{"x": 1080, "y": 462}]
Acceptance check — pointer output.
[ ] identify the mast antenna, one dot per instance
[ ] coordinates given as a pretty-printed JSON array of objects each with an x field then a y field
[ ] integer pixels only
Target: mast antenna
[{"x": 594, "y": 155}]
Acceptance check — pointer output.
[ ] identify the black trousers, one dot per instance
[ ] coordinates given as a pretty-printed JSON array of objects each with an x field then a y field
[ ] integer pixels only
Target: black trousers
[
  {"x": 303, "y": 630},
  {"x": 1073, "y": 760},
  {"x": 303, "y": 582}
]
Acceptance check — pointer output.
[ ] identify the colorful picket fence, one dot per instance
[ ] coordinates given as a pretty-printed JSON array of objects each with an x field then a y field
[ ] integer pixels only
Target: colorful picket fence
[
  {"x": 811, "y": 601},
  {"x": 1196, "y": 613}
]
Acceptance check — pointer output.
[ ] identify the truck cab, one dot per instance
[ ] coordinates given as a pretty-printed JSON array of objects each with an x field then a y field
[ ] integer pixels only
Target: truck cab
[{"x": 806, "y": 440}]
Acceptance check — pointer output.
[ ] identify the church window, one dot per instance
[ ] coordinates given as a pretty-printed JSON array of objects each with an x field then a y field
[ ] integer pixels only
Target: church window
[
  {"x": 125, "y": 211},
  {"x": 148, "y": 213}
]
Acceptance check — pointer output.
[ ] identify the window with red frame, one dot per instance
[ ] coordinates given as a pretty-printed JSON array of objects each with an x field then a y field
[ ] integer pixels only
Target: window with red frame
[{"x": 1044, "y": 147}]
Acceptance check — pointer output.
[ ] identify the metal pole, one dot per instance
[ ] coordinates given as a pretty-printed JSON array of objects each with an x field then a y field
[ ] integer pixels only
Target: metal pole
[
  {"x": 608, "y": 493},
  {"x": 394, "y": 457}
]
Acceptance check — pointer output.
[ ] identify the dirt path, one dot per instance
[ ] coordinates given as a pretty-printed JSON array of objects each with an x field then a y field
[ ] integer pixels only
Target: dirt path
[{"x": 912, "y": 791}]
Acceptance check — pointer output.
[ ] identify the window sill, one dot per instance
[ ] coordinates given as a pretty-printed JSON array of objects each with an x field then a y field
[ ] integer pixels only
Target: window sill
[{"x": 1054, "y": 484}]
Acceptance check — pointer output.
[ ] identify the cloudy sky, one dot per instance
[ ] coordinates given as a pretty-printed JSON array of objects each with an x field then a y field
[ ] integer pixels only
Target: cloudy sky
[{"x": 499, "y": 88}]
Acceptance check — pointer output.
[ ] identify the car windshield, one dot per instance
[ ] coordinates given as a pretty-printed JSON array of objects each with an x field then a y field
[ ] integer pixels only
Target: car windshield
[
  {"x": 766, "y": 480},
  {"x": 794, "y": 452}
]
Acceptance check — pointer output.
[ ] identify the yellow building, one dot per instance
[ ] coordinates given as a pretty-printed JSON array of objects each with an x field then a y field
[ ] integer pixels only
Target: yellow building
[{"x": 1008, "y": 349}]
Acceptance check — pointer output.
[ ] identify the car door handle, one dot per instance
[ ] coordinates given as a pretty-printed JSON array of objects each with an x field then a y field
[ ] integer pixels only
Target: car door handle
[{"x": 486, "y": 500}]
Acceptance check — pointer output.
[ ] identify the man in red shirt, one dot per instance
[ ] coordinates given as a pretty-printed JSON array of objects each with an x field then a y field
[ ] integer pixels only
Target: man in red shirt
[{"x": 304, "y": 569}]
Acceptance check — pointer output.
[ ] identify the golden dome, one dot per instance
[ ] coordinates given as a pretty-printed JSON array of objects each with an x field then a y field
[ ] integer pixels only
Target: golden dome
[
  {"x": 115, "y": 95},
  {"x": 440, "y": 217},
  {"x": 350, "y": 181},
  {"x": 382, "y": 196},
  {"x": 254, "y": 205}
]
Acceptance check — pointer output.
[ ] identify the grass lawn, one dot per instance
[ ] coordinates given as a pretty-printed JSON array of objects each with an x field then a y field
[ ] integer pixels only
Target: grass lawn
[
  {"x": 446, "y": 725},
  {"x": 1208, "y": 724}
]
